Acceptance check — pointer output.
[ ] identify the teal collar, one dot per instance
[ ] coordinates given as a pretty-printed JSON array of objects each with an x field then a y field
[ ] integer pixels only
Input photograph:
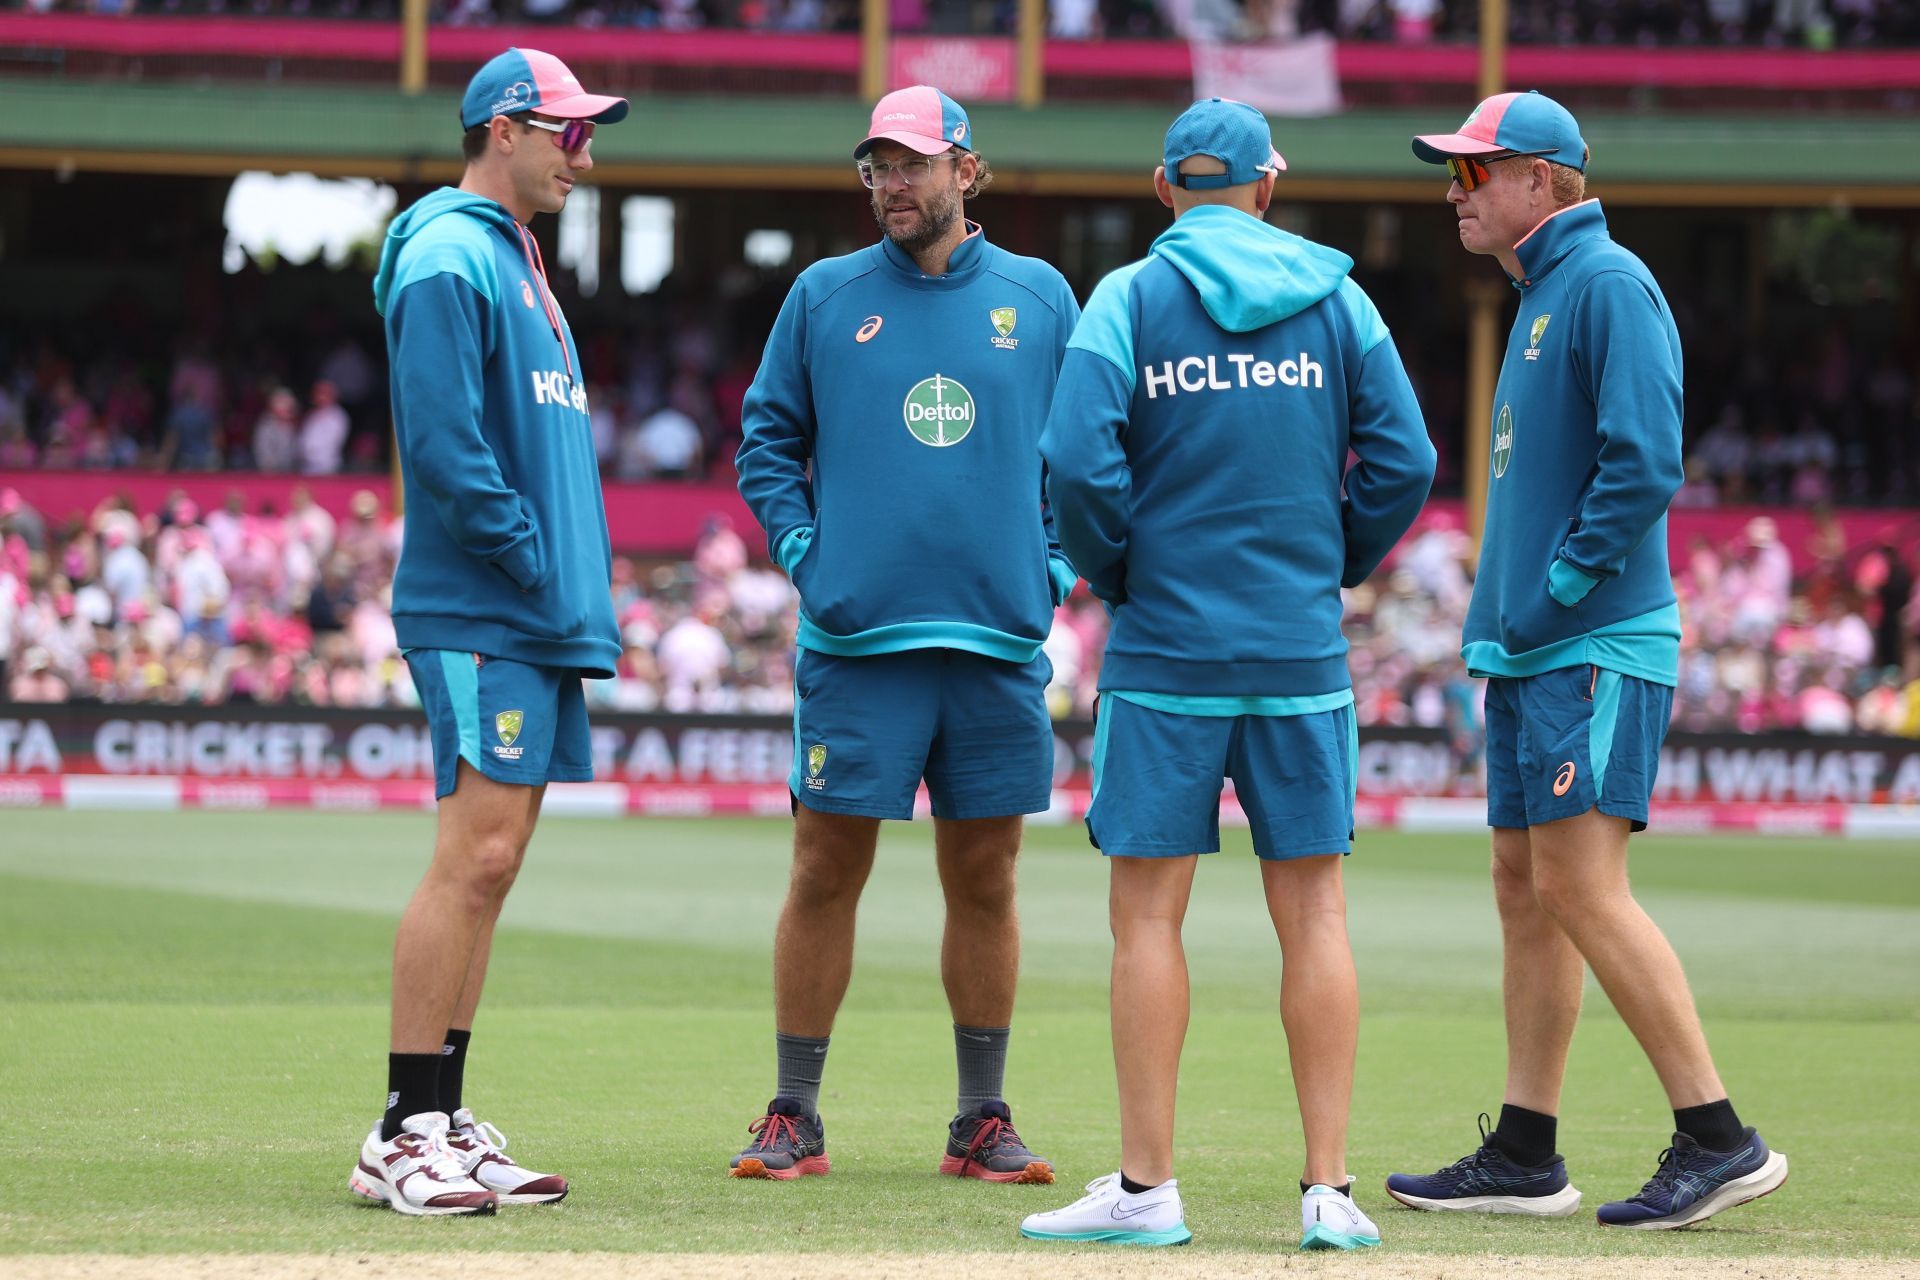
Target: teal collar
[
  {"x": 967, "y": 260},
  {"x": 1541, "y": 249}
]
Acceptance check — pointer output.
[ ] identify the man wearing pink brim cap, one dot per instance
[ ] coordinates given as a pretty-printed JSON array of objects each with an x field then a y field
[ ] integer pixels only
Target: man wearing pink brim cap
[
  {"x": 501, "y": 598},
  {"x": 891, "y": 455},
  {"x": 1575, "y": 626}
]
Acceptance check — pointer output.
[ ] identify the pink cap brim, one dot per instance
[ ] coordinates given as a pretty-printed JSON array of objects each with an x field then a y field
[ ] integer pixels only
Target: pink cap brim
[
  {"x": 1442, "y": 145},
  {"x": 915, "y": 141},
  {"x": 1278, "y": 161},
  {"x": 586, "y": 106}
]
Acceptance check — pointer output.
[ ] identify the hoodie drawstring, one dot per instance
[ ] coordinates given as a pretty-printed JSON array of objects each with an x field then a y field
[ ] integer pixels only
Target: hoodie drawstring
[{"x": 531, "y": 249}]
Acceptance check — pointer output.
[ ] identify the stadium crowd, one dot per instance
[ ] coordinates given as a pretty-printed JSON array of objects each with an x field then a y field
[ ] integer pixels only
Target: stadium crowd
[
  {"x": 1770, "y": 421},
  {"x": 664, "y": 407},
  {"x": 1819, "y": 23},
  {"x": 291, "y": 606}
]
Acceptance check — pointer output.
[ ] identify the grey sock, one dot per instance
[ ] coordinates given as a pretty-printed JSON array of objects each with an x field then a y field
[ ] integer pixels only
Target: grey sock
[
  {"x": 803, "y": 1060},
  {"x": 982, "y": 1055}
]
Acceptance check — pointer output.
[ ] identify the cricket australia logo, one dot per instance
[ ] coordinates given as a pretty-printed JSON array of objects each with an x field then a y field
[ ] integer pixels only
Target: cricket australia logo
[
  {"x": 508, "y": 724},
  {"x": 1533, "y": 339},
  {"x": 939, "y": 411},
  {"x": 816, "y": 761},
  {"x": 1502, "y": 441},
  {"x": 1003, "y": 321}
]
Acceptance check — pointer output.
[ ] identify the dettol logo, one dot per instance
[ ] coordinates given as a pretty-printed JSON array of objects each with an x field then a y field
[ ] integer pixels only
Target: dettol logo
[
  {"x": 939, "y": 411},
  {"x": 1502, "y": 441}
]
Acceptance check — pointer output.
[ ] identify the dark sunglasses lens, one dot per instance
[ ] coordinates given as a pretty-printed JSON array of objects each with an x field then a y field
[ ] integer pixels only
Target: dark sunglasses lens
[{"x": 1463, "y": 172}]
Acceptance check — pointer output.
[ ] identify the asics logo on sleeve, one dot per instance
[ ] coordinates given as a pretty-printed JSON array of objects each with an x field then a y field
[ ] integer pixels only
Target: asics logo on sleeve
[
  {"x": 867, "y": 330},
  {"x": 1242, "y": 370}
]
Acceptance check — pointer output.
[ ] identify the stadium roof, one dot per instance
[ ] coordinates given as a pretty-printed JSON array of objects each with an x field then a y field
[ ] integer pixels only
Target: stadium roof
[{"x": 1068, "y": 148}]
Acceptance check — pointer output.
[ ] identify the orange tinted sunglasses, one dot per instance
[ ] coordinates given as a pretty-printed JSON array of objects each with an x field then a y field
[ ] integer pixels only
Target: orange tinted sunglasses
[{"x": 1472, "y": 171}]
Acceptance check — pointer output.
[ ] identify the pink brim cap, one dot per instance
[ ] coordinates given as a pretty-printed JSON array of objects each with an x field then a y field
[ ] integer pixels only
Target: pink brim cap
[
  {"x": 586, "y": 106},
  {"x": 919, "y": 142},
  {"x": 1454, "y": 144},
  {"x": 1278, "y": 161}
]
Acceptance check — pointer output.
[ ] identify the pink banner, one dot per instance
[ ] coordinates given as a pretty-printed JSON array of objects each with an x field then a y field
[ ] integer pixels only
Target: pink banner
[
  {"x": 973, "y": 70},
  {"x": 645, "y": 519}
]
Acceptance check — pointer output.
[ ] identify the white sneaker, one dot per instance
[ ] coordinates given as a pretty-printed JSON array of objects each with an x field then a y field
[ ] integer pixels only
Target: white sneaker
[
  {"x": 481, "y": 1150},
  {"x": 417, "y": 1173},
  {"x": 1330, "y": 1219},
  {"x": 1108, "y": 1215}
]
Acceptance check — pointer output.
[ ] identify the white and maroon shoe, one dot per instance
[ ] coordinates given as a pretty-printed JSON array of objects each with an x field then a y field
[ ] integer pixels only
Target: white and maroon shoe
[
  {"x": 481, "y": 1150},
  {"x": 417, "y": 1173}
]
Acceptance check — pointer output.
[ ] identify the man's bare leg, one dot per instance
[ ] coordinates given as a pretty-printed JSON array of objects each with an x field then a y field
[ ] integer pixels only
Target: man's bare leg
[
  {"x": 1542, "y": 979},
  {"x": 1147, "y": 904},
  {"x": 1319, "y": 1004},
  {"x": 980, "y": 949},
  {"x": 483, "y": 831},
  {"x": 813, "y": 943},
  {"x": 1580, "y": 877}
]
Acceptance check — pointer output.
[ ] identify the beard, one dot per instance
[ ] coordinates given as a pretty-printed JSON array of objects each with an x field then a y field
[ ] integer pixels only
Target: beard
[{"x": 933, "y": 219}]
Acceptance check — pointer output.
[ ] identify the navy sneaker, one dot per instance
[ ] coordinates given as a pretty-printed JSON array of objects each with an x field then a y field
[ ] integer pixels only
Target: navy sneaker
[
  {"x": 1692, "y": 1184},
  {"x": 787, "y": 1143},
  {"x": 1488, "y": 1181},
  {"x": 982, "y": 1143}
]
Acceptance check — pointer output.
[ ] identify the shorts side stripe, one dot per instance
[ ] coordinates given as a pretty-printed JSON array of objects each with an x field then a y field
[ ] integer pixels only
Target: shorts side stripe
[
  {"x": 463, "y": 692},
  {"x": 1100, "y": 748},
  {"x": 1353, "y": 755},
  {"x": 1600, "y": 729}
]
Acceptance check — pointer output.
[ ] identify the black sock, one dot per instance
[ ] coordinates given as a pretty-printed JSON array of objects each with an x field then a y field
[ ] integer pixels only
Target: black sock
[
  {"x": 1131, "y": 1187},
  {"x": 1525, "y": 1137},
  {"x": 453, "y": 1069},
  {"x": 413, "y": 1086},
  {"x": 1713, "y": 1125},
  {"x": 1345, "y": 1189}
]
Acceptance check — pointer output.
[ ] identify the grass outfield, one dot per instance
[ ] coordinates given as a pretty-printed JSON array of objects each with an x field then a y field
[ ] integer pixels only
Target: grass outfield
[{"x": 193, "y": 1012}]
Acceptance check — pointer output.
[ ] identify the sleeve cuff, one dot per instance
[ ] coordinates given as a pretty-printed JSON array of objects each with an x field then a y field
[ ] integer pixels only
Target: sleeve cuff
[
  {"x": 793, "y": 548},
  {"x": 1063, "y": 577},
  {"x": 1567, "y": 585},
  {"x": 521, "y": 562}
]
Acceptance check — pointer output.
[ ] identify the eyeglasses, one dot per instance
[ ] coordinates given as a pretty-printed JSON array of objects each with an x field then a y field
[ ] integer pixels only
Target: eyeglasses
[
  {"x": 570, "y": 136},
  {"x": 1473, "y": 171},
  {"x": 877, "y": 173}
]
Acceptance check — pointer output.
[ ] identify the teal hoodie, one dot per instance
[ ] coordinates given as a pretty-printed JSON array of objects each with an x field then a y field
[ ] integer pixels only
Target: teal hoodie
[
  {"x": 1585, "y": 457},
  {"x": 506, "y": 551},
  {"x": 1197, "y": 460}
]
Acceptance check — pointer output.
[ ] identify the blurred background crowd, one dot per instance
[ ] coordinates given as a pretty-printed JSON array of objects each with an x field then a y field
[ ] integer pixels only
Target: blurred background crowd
[
  {"x": 1771, "y": 419},
  {"x": 180, "y": 606},
  {"x": 1815, "y": 23}
]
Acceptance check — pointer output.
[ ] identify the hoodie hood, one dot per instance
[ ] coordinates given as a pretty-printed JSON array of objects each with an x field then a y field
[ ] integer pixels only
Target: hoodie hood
[
  {"x": 1248, "y": 275},
  {"x": 426, "y": 209}
]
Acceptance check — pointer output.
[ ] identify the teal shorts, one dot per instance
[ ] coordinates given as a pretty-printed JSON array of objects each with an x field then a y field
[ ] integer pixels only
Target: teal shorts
[
  {"x": 1158, "y": 775},
  {"x": 1566, "y": 741},
  {"x": 513, "y": 721},
  {"x": 867, "y": 730}
]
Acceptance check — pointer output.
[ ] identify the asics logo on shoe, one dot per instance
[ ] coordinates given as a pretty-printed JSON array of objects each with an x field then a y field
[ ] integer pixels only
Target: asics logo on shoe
[
  {"x": 1122, "y": 1214},
  {"x": 1563, "y": 781}
]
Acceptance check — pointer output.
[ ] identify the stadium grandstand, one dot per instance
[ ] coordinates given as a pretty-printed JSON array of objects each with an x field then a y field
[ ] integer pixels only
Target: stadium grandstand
[
  {"x": 219, "y": 781},
  {"x": 195, "y": 496}
]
